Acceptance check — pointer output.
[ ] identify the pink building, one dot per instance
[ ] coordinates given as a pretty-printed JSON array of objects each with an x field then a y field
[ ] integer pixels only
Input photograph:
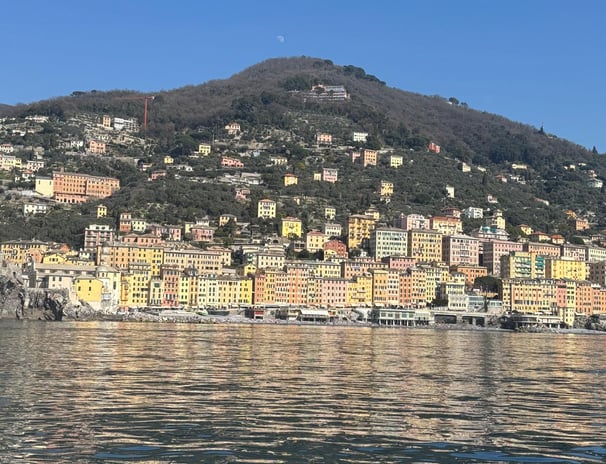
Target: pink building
[
  {"x": 399, "y": 262},
  {"x": 227, "y": 162},
  {"x": 202, "y": 234},
  {"x": 242, "y": 193},
  {"x": 323, "y": 139},
  {"x": 493, "y": 250},
  {"x": 330, "y": 175},
  {"x": 434, "y": 147},
  {"x": 412, "y": 222},
  {"x": 460, "y": 249},
  {"x": 330, "y": 292}
]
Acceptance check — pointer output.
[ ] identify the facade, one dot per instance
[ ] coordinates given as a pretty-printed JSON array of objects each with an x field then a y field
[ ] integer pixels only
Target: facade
[
  {"x": 96, "y": 147},
  {"x": 471, "y": 273},
  {"x": 447, "y": 225},
  {"x": 460, "y": 249},
  {"x": 323, "y": 138},
  {"x": 360, "y": 136},
  {"x": 79, "y": 188},
  {"x": 335, "y": 249},
  {"x": 315, "y": 240},
  {"x": 291, "y": 227},
  {"x": 413, "y": 221},
  {"x": 228, "y": 162},
  {"x": 359, "y": 227},
  {"x": 101, "y": 211},
  {"x": 44, "y": 186},
  {"x": 225, "y": 218},
  {"x": 233, "y": 128},
  {"x": 493, "y": 251},
  {"x": 388, "y": 241},
  {"x": 34, "y": 208},
  {"x": 433, "y": 147},
  {"x": 565, "y": 268},
  {"x": 545, "y": 249},
  {"x": 425, "y": 245},
  {"x": 386, "y": 188},
  {"x": 290, "y": 179},
  {"x": 96, "y": 235},
  {"x": 369, "y": 157},
  {"x": 330, "y": 175},
  {"x": 204, "y": 149},
  {"x": 333, "y": 229},
  {"x": 523, "y": 265},
  {"x": 266, "y": 209},
  {"x": 395, "y": 161}
]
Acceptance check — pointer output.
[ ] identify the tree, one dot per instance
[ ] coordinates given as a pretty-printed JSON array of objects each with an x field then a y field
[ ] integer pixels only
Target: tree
[{"x": 487, "y": 284}]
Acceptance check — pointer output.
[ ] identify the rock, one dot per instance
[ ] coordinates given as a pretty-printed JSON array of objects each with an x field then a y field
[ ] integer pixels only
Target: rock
[{"x": 20, "y": 302}]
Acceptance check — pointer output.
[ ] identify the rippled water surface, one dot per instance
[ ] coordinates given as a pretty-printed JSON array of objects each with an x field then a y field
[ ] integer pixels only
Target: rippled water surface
[{"x": 173, "y": 393}]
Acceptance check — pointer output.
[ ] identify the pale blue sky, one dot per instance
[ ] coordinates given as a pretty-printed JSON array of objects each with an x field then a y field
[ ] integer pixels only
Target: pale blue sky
[{"x": 533, "y": 61}]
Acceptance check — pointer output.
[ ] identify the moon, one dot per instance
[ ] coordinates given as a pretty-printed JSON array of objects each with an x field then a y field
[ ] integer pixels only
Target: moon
[{"x": 281, "y": 38}]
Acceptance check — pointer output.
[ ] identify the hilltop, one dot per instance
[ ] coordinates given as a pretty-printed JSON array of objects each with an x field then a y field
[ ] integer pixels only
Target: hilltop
[{"x": 491, "y": 162}]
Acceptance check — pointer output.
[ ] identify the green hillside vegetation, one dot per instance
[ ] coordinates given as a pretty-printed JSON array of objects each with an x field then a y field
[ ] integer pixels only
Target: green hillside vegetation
[{"x": 269, "y": 101}]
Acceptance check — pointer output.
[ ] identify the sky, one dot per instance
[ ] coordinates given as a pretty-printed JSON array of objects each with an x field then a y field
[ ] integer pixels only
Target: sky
[{"x": 539, "y": 62}]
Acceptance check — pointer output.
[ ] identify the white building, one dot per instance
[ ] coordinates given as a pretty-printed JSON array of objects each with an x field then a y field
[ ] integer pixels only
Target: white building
[{"x": 360, "y": 136}]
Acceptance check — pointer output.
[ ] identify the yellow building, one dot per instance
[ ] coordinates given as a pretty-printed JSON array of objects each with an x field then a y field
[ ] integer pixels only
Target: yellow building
[
  {"x": 529, "y": 295},
  {"x": 386, "y": 189},
  {"x": 359, "y": 290},
  {"x": 425, "y": 245},
  {"x": 101, "y": 211},
  {"x": 446, "y": 225},
  {"x": 203, "y": 261},
  {"x": 359, "y": 227},
  {"x": 44, "y": 186},
  {"x": 523, "y": 265},
  {"x": 330, "y": 213},
  {"x": 135, "y": 286},
  {"x": 139, "y": 225},
  {"x": 188, "y": 289},
  {"x": 395, "y": 161},
  {"x": 121, "y": 255},
  {"x": 88, "y": 289},
  {"x": 290, "y": 179},
  {"x": 291, "y": 227},
  {"x": 325, "y": 268},
  {"x": 234, "y": 290},
  {"x": 526, "y": 229},
  {"x": 208, "y": 291},
  {"x": 204, "y": 149},
  {"x": 169, "y": 159},
  {"x": 380, "y": 282},
  {"x": 314, "y": 240},
  {"x": 23, "y": 251},
  {"x": 225, "y": 218},
  {"x": 565, "y": 269},
  {"x": 266, "y": 209}
]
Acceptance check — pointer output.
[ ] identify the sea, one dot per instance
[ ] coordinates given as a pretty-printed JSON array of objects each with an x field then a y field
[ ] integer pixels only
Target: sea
[{"x": 122, "y": 392}]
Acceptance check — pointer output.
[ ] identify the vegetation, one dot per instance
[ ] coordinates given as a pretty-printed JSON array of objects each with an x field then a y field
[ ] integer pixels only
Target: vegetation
[{"x": 267, "y": 100}]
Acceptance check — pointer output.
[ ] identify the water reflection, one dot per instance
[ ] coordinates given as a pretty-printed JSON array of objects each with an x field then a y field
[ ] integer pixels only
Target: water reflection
[{"x": 120, "y": 392}]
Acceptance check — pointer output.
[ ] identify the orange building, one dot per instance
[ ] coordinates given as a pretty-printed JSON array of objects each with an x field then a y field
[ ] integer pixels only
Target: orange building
[{"x": 71, "y": 187}]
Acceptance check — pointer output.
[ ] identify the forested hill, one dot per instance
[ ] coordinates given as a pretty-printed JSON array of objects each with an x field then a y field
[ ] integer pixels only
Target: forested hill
[
  {"x": 275, "y": 96},
  {"x": 260, "y": 94}
]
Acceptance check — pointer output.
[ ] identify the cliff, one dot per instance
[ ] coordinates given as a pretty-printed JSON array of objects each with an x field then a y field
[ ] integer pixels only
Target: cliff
[{"x": 20, "y": 302}]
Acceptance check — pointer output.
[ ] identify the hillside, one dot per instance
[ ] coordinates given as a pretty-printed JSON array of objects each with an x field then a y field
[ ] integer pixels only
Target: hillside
[{"x": 273, "y": 104}]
